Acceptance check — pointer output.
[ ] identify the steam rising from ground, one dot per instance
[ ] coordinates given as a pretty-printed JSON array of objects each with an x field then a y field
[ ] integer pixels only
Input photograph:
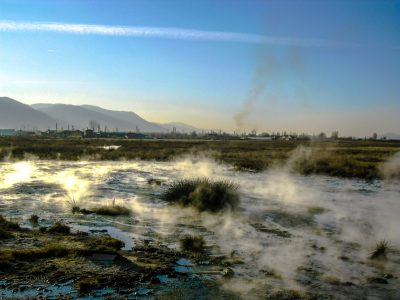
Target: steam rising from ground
[
  {"x": 16, "y": 173},
  {"x": 391, "y": 168},
  {"x": 287, "y": 223}
]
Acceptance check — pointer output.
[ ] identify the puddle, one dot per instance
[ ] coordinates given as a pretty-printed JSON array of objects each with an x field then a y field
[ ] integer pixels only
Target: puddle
[
  {"x": 114, "y": 232},
  {"x": 184, "y": 262},
  {"x": 36, "y": 291},
  {"x": 183, "y": 269},
  {"x": 164, "y": 278}
]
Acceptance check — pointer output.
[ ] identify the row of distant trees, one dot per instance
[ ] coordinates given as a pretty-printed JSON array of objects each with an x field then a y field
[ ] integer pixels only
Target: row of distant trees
[
  {"x": 95, "y": 126},
  {"x": 335, "y": 135}
]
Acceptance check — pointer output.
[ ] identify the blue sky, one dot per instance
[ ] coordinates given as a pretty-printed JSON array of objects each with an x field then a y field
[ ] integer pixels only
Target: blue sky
[{"x": 286, "y": 65}]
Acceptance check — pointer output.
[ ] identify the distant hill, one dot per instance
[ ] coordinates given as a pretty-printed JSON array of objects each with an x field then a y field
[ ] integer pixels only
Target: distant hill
[
  {"x": 41, "y": 116},
  {"x": 181, "y": 127},
  {"x": 16, "y": 115},
  {"x": 79, "y": 116},
  {"x": 391, "y": 136}
]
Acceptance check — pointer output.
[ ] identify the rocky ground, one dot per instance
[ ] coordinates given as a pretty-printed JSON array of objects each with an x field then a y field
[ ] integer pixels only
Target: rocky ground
[{"x": 53, "y": 263}]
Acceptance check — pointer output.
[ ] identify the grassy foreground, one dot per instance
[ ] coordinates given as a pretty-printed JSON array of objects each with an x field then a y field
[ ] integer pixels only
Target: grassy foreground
[{"x": 343, "y": 158}]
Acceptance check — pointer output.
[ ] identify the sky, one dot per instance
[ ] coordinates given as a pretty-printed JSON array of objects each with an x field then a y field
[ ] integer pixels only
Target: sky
[{"x": 295, "y": 66}]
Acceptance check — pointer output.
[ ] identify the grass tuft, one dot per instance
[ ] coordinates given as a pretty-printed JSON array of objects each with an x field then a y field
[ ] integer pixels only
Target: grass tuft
[
  {"x": 59, "y": 228},
  {"x": 8, "y": 225},
  {"x": 381, "y": 250},
  {"x": 77, "y": 210},
  {"x": 34, "y": 219},
  {"x": 204, "y": 194},
  {"x": 194, "y": 244},
  {"x": 86, "y": 285},
  {"x": 109, "y": 242},
  {"x": 112, "y": 210}
]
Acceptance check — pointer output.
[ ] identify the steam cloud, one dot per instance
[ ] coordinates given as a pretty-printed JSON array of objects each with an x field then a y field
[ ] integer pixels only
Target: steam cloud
[{"x": 352, "y": 215}]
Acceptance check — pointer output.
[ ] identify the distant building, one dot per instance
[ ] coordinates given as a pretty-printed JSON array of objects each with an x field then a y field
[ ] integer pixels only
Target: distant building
[
  {"x": 26, "y": 133},
  {"x": 7, "y": 132}
]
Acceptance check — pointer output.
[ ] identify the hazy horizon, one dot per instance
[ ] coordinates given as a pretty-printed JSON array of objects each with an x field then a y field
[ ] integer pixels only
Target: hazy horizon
[{"x": 269, "y": 66}]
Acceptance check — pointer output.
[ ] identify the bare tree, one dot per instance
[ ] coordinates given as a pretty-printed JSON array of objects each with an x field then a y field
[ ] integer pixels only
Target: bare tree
[{"x": 335, "y": 135}]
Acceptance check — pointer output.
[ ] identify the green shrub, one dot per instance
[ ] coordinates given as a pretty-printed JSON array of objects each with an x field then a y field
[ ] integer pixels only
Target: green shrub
[{"x": 203, "y": 194}]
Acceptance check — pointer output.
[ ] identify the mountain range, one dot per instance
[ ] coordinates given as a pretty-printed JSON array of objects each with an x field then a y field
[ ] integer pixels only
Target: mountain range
[{"x": 42, "y": 116}]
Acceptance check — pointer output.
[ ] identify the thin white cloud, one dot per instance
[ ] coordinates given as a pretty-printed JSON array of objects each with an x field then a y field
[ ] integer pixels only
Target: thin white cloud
[{"x": 168, "y": 33}]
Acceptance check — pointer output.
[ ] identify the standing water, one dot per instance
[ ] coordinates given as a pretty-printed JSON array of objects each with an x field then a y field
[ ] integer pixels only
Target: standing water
[{"x": 311, "y": 234}]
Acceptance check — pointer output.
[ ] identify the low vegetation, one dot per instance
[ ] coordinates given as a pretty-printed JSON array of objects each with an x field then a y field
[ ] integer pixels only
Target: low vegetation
[
  {"x": 50, "y": 251},
  {"x": 287, "y": 294},
  {"x": 34, "y": 219},
  {"x": 5, "y": 234},
  {"x": 76, "y": 209},
  {"x": 86, "y": 285},
  {"x": 381, "y": 250},
  {"x": 193, "y": 244},
  {"x": 108, "y": 243},
  {"x": 8, "y": 225},
  {"x": 59, "y": 228},
  {"x": 105, "y": 210},
  {"x": 344, "y": 158},
  {"x": 112, "y": 210},
  {"x": 92, "y": 261},
  {"x": 203, "y": 194}
]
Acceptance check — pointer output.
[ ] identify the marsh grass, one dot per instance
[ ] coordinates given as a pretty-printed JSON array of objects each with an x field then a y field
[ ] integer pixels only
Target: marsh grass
[
  {"x": 86, "y": 285},
  {"x": 34, "y": 220},
  {"x": 112, "y": 210},
  {"x": 345, "y": 158},
  {"x": 342, "y": 158},
  {"x": 77, "y": 209},
  {"x": 71, "y": 200},
  {"x": 4, "y": 234},
  {"x": 204, "y": 194},
  {"x": 8, "y": 225},
  {"x": 108, "y": 242},
  {"x": 8, "y": 257},
  {"x": 316, "y": 210},
  {"x": 381, "y": 250},
  {"x": 193, "y": 244},
  {"x": 269, "y": 272},
  {"x": 59, "y": 228},
  {"x": 106, "y": 210},
  {"x": 50, "y": 251},
  {"x": 288, "y": 294}
]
